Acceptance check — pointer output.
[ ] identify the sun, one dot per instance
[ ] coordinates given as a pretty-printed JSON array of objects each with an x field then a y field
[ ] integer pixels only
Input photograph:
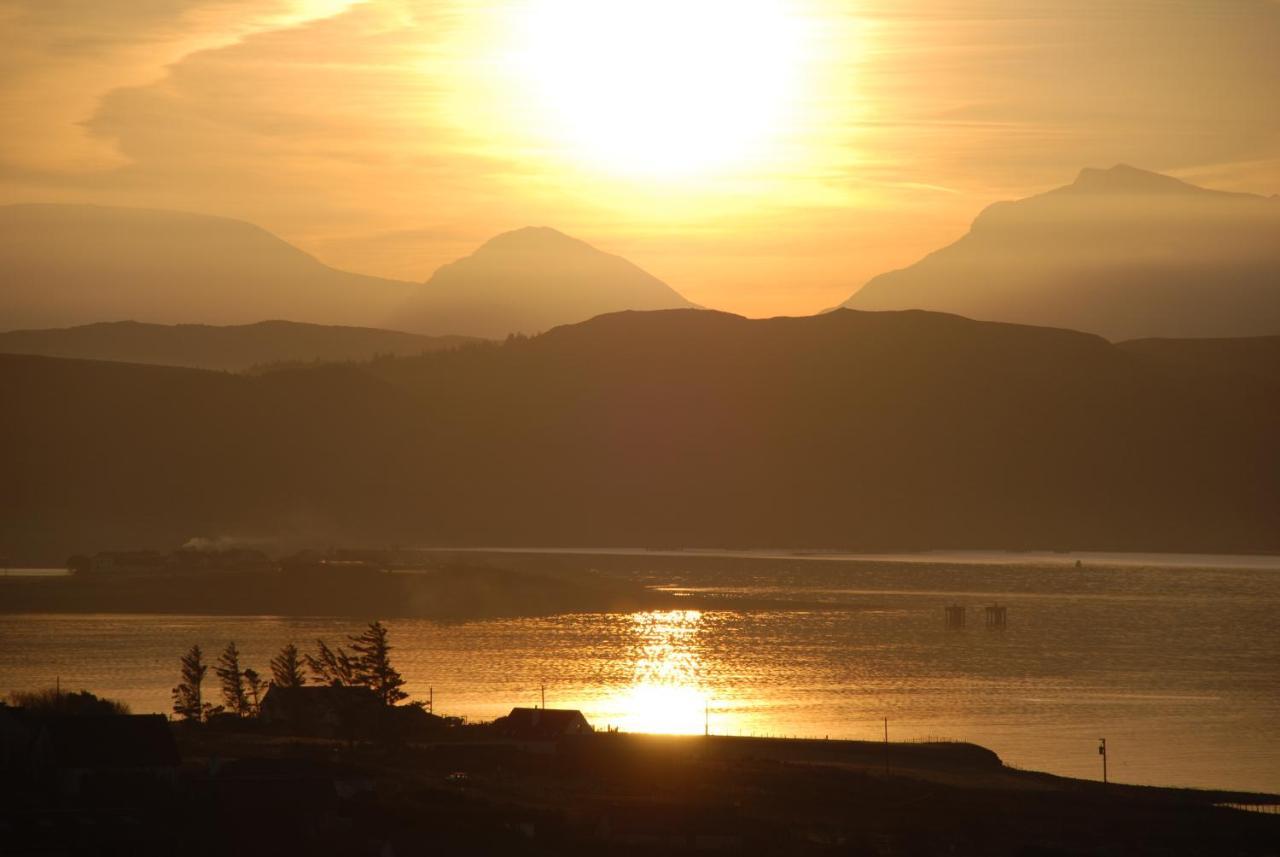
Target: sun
[{"x": 659, "y": 87}]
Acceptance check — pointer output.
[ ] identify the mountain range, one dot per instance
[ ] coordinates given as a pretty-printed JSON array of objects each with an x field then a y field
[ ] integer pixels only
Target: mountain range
[
  {"x": 1121, "y": 252},
  {"x": 669, "y": 428},
  {"x": 66, "y": 265},
  {"x": 230, "y": 348}
]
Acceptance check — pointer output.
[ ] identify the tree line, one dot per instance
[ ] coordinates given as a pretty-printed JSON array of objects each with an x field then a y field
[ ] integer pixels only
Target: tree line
[{"x": 366, "y": 664}]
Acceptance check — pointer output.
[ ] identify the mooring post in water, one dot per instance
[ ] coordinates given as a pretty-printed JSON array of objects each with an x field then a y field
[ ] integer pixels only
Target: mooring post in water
[
  {"x": 1102, "y": 751},
  {"x": 886, "y": 746},
  {"x": 997, "y": 616}
]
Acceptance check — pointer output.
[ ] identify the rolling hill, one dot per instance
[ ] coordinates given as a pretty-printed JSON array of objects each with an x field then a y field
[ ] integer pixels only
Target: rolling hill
[
  {"x": 674, "y": 428},
  {"x": 1121, "y": 252},
  {"x": 231, "y": 348}
]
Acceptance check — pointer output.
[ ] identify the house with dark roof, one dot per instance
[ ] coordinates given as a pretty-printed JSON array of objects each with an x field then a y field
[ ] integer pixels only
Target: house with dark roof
[{"x": 543, "y": 724}]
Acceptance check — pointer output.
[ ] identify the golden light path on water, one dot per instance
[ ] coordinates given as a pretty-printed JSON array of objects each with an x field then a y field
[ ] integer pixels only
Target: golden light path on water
[{"x": 667, "y": 694}]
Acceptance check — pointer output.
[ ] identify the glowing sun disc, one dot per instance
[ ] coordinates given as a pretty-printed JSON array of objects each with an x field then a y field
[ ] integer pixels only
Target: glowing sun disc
[{"x": 659, "y": 86}]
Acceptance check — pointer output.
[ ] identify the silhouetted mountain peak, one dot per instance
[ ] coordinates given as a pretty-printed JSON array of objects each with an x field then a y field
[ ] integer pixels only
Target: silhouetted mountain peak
[
  {"x": 529, "y": 280},
  {"x": 535, "y": 239},
  {"x": 66, "y": 264},
  {"x": 1122, "y": 252},
  {"x": 1123, "y": 178}
]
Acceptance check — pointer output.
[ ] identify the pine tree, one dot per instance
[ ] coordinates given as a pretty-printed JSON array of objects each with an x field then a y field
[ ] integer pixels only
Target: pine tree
[
  {"x": 232, "y": 678},
  {"x": 332, "y": 668},
  {"x": 372, "y": 663},
  {"x": 187, "y": 702},
  {"x": 286, "y": 668}
]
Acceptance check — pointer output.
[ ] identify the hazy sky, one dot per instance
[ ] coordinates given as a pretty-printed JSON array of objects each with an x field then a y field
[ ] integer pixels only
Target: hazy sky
[{"x": 761, "y": 157}]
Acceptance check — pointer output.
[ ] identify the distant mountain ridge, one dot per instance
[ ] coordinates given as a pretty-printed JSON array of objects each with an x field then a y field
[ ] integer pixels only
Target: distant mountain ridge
[
  {"x": 855, "y": 430},
  {"x": 230, "y": 348},
  {"x": 68, "y": 265},
  {"x": 1121, "y": 252},
  {"x": 530, "y": 280}
]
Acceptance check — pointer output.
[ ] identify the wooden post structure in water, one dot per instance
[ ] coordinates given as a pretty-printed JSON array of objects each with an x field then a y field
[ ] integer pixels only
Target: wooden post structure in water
[
  {"x": 1102, "y": 751},
  {"x": 997, "y": 616},
  {"x": 955, "y": 616}
]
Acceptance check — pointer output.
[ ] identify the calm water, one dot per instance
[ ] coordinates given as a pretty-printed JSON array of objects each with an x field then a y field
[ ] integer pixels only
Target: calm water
[{"x": 1179, "y": 668}]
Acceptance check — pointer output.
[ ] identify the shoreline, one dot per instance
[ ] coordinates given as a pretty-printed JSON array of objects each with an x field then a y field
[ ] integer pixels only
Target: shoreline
[{"x": 932, "y": 557}]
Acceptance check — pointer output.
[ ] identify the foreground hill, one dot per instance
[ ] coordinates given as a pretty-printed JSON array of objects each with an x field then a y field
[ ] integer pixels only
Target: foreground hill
[
  {"x": 528, "y": 281},
  {"x": 78, "y": 264},
  {"x": 676, "y": 428},
  {"x": 232, "y": 348},
  {"x": 1121, "y": 252}
]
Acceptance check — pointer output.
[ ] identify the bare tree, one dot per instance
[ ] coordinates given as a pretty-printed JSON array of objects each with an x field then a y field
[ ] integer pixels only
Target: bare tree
[
  {"x": 254, "y": 686},
  {"x": 187, "y": 701},
  {"x": 373, "y": 664},
  {"x": 332, "y": 667},
  {"x": 232, "y": 678}
]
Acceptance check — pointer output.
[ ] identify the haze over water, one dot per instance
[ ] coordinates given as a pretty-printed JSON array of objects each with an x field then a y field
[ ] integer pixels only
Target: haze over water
[{"x": 1175, "y": 666}]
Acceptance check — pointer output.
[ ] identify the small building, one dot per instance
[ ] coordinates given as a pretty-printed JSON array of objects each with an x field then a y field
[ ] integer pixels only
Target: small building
[
  {"x": 323, "y": 711},
  {"x": 543, "y": 724}
]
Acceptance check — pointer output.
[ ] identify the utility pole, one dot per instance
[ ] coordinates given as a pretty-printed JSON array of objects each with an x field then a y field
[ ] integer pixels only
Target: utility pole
[
  {"x": 431, "y": 700},
  {"x": 544, "y": 697},
  {"x": 1102, "y": 751},
  {"x": 706, "y": 718},
  {"x": 886, "y": 746}
]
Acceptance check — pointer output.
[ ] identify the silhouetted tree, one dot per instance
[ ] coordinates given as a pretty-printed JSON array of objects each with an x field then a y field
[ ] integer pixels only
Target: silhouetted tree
[
  {"x": 332, "y": 667},
  {"x": 54, "y": 701},
  {"x": 232, "y": 678},
  {"x": 187, "y": 701},
  {"x": 254, "y": 685},
  {"x": 372, "y": 663},
  {"x": 286, "y": 668}
]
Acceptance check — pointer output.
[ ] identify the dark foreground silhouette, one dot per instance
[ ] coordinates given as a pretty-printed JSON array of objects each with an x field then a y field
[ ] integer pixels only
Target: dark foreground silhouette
[
  {"x": 483, "y": 790},
  {"x": 671, "y": 428}
]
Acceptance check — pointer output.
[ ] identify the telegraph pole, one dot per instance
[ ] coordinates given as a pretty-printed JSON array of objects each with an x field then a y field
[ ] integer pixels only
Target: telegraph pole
[
  {"x": 1102, "y": 751},
  {"x": 544, "y": 697},
  {"x": 886, "y": 746}
]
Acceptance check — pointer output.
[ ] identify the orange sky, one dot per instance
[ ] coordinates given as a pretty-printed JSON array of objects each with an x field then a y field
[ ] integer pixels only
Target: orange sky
[{"x": 761, "y": 157}]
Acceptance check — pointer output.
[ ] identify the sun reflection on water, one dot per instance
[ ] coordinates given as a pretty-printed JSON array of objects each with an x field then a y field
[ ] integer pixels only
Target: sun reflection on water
[{"x": 667, "y": 693}]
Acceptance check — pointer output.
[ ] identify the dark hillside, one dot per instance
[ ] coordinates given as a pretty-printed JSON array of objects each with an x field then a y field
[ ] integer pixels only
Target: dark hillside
[{"x": 672, "y": 428}]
